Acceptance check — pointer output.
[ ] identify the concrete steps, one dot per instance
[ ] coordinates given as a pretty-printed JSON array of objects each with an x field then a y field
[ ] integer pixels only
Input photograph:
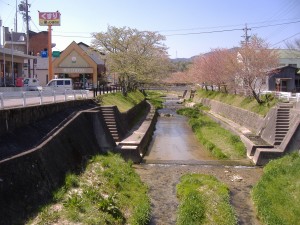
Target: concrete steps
[
  {"x": 109, "y": 116},
  {"x": 282, "y": 122}
]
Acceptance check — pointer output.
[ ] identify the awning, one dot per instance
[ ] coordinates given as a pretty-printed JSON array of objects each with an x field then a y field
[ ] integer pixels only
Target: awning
[{"x": 7, "y": 51}]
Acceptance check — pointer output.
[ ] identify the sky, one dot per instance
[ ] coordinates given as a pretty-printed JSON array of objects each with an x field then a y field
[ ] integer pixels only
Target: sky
[{"x": 191, "y": 27}]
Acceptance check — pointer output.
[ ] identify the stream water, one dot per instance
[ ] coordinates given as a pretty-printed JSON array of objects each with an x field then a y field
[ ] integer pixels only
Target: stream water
[
  {"x": 174, "y": 151},
  {"x": 173, "y": 139}
]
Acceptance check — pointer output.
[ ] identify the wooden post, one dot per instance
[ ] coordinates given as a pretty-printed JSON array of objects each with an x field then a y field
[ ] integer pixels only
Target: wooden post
[{"x": 50, "y": 68}]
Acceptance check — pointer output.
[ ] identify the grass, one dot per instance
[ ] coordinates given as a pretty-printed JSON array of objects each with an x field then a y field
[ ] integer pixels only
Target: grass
[
  {"x": 277, "y": 195},
  {"x": 124, "y": 103},
  {"x": 155, "y": 98},
  {"x": 203, "y": 200},
  {"x": 107, "y": 192},
  {"x": 248, "y": 103},
  {"x": 219, "y": 141}
]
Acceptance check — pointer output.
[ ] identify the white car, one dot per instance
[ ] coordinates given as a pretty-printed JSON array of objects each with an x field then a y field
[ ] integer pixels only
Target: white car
[
  {"x": 32, "y": 84},
  {"x": 60, "y": 84}
]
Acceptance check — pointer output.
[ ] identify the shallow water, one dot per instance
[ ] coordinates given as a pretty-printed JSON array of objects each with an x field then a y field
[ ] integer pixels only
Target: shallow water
[{"x": 173, "y": 138}]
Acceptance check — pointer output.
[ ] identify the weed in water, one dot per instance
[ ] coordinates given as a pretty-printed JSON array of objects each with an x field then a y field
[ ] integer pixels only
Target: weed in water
[{"x": 203, "y": 200}]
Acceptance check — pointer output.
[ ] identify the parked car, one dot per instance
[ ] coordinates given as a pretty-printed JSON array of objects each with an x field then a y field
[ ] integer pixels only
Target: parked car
[
  {"x": 32, "y": 84},
  {"x": 60, "y": 84}
]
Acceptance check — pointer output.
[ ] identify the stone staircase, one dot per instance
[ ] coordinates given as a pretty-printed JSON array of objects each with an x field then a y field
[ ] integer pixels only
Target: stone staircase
[
  {"x": 109, "y": 116},
  {"x": 282, "y": 122}
]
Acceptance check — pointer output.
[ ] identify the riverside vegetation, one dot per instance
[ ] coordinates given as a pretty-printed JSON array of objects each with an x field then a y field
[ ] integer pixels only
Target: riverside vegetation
[
  {"x": 221, "y": 143},
  {"x": 108, "y": 191},
  {"x": 203, "y": 200},
  {"x": 248, "y": 103},
  {"x": 277, "y": 194}
]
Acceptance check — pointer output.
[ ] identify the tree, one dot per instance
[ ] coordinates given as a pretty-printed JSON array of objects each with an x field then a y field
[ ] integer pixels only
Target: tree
[
  {"x": 136, "y": 56},
  {"x": 254, "y": 60},
  {"x": 215, "y": 68},
  {"x": 295, "y": 45}
]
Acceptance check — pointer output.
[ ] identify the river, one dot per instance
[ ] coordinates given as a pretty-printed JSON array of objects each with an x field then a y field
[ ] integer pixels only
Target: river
[
  {"x": 173, "y": 139},
  {"x": 174, "y": 151}
]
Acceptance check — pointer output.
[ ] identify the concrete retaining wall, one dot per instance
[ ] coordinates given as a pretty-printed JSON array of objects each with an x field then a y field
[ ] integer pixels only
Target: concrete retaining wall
[
  {"x": 11, "y": 119},
  {"x": 252, "y": 121},
  {"x": 28, "y": 180}
]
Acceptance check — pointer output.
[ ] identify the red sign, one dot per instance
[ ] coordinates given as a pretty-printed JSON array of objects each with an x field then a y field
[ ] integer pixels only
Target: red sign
[{"x": 49, "y": 18}]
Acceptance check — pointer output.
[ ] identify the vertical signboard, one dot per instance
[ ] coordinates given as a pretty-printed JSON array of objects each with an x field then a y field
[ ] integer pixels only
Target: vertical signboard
[{"x": 49, "y": 19}]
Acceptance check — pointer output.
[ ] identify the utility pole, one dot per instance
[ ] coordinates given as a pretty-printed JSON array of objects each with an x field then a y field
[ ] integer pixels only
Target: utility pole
[
  {"x": 16, "y": 25},
  {"x": 27, "y": 39},
  {"x": 23, "y": 8},
  {"x": 12, "y": 70},
  {"x": 246, "y": 36}
]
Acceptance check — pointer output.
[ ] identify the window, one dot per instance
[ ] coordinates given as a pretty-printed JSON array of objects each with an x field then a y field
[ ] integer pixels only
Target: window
[
  {"x": 67, "y": 82},
  {"x": 60, "y": 82}
]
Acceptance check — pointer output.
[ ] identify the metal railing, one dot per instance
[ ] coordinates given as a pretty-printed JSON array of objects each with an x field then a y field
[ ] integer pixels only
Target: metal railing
[
  {"x": 26, "y": 98},
  {"x": 285, "y": 96}
]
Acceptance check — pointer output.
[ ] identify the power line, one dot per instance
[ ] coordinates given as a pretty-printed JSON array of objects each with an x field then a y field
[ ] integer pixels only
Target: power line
[
  {"x": 205, "y": 32},
  {"x": 5, "y": 3},
  {"x": 70, "y": 36},
  {"x": 229, "y": 30},
  {"x": 225, "y": 26},
  {"x": 190, "y": 33},
  {"x": 285, "y": 39},
  {"x": 279, "y": 24}
]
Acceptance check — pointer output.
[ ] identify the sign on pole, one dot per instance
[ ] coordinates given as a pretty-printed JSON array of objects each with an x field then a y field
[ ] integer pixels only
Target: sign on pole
[{"x": 49, "y": 18}]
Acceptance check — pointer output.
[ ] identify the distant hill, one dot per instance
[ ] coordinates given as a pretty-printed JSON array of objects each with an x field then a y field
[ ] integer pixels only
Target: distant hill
[{"x": 183, "y": 59}]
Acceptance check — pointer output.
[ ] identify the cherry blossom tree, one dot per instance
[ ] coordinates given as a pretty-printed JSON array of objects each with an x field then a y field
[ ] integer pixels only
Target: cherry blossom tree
[
  {"x": 136, "y": 56},
  {"x": 254, "y": 60},
  {"x": 214, "y": 69}
]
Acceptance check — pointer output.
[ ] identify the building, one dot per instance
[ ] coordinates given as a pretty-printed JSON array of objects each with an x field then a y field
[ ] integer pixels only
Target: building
[
  {"x": 285, "y": 78},
  {"x": 288, "y": 57},
  {"x": 81, "y": 63},
  {"x": 12, "y": 57}
]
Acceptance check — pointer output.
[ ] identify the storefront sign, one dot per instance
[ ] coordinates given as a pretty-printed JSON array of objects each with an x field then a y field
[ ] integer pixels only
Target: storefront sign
[
  {"x": 73, "y": 70},
  {"x": 49, "y": 18}
]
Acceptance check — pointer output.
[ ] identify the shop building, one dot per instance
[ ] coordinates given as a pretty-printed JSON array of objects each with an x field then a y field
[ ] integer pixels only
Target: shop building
[{"x": 81, "y": 63}]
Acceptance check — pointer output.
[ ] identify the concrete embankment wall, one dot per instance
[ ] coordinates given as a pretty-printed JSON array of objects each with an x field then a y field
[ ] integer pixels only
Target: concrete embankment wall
[
  {"x": 28, "y": 180},
  {"x": 13, "y": 118},
  {"x": 252, "y": 121}
]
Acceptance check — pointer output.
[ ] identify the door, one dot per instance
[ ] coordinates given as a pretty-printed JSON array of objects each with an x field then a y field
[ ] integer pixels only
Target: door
[{"x": 283, "y": 85}]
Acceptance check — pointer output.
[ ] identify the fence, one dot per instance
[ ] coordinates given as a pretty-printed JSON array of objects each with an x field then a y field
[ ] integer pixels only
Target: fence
[
  {"x": 25, "y": 98},
  {"x": 285, "y": 96}
]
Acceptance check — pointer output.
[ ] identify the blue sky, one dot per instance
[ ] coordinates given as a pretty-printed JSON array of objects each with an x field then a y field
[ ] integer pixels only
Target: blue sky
[{"x": 191, "y": 27}]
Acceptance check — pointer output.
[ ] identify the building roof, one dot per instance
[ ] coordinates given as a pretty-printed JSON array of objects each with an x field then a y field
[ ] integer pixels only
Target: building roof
[
  {"x": 92, "y": 53},
  {"x": 8, "y": 51},
  {"x": 288, "y": 53}
]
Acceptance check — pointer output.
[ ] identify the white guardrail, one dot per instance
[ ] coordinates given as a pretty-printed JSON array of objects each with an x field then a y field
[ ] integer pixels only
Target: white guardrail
[
  {"x": 286, "y": 96},
  {"x": 25, "y": 98}
]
